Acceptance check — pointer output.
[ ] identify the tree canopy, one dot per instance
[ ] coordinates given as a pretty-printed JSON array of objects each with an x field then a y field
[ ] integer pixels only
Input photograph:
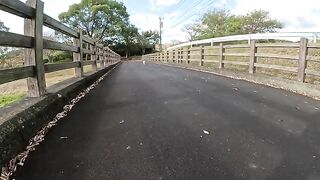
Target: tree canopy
[
  {"x": 220, "y": 22},
  {"x": 100, "y": 19},
  {"x": 108, "y": 22}
]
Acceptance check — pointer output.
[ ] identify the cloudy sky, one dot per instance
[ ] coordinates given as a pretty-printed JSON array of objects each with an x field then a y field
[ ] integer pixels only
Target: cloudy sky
[{"x": 297, "y": 15}]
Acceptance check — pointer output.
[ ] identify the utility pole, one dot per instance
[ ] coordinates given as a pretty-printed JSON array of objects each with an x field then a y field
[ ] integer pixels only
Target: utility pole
[{"x": 161, "y": 26}]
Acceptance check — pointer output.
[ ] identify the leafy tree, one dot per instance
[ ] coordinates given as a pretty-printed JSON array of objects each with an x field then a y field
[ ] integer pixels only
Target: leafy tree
[
  {"x": 148, "y": 40},
  {"x": 3, "y": 27},
  {"x": 100, "y": 19},
  {"x": 129, "y": 37},
  {"x": 3, "y": 50},
  {"x": 259, "y": 21},
  {"x": 219, "y": 23}
]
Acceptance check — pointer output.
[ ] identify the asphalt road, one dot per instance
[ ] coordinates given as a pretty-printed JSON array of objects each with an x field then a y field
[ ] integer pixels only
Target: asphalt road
[{"x": 157, "y": 122}]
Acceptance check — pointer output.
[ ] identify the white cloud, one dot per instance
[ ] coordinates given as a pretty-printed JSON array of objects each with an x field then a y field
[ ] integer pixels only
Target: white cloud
[
  {"x": 298, "y": 15},
  {"x": 145, "y": 21}
]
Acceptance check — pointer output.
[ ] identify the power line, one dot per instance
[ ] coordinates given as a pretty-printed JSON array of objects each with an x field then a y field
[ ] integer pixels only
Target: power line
[
  {"x": 188, "y": 10},
  {"x": 180, "y": 22},
  {"x": 180, "y": 3}
]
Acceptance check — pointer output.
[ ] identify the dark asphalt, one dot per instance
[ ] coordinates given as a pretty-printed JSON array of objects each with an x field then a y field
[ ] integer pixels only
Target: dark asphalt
[{"x": 149, "y": 122}]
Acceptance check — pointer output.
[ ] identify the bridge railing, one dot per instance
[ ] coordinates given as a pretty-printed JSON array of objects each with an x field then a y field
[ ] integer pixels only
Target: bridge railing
[
  {"x": 301, "y": 59},
  {"x": 34, "y": 67}
]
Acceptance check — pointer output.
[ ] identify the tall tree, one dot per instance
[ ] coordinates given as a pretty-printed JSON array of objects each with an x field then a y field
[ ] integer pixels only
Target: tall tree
[
  {"x": 259, "y": 21},
  {"x": 129, "y": 37},
  {"x": 100, "y": 19},
  {"x": 219, "y": 23},
  {"x": 148, "y": 40}
]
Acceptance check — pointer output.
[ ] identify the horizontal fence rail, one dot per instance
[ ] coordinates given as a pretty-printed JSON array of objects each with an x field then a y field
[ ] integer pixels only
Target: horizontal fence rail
[
  {"x": 34, "y": 44},
  {"x": 251, "y": 56},
  {"x": 289, "y": 36}
]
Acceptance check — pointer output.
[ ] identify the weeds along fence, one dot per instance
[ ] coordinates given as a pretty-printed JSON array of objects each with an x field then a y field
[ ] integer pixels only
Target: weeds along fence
[
  {"x": 34, "y": 67},
  {"x": 300, "y": 61}
]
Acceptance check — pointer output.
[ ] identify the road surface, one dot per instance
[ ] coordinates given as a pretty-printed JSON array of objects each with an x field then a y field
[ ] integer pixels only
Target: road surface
[{"x": 157, "y": 122}]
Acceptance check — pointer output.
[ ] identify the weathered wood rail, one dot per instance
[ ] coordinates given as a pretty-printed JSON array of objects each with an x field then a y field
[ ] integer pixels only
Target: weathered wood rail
[
  {"x": 34, "y": 44},
  {"x": 204, "y": 54}
]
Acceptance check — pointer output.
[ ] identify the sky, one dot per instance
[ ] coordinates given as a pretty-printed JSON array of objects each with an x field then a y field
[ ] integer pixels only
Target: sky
[{"x": 297, "y": 15}]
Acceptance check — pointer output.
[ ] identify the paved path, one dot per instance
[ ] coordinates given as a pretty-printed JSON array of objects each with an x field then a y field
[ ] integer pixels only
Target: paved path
[{"x": 157, "y": 122}]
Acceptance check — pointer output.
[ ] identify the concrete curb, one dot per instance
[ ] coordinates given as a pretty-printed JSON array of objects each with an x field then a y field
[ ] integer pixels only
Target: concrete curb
[
  {"x": 288, "y": 85},
  {"x": 16, "y": 131}
]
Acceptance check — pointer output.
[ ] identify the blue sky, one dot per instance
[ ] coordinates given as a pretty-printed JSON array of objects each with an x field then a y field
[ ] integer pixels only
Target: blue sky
[{"x": 297, "y": 15}]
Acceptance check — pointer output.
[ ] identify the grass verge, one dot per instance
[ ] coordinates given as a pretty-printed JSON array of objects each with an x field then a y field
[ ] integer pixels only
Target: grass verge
[{"x": 10, "y": 98}]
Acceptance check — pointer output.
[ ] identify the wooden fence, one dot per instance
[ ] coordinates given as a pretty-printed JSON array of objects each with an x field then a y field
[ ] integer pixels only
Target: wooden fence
[
  {"x": 34, "y": 67},
  {"x": 204, "y": 54}
]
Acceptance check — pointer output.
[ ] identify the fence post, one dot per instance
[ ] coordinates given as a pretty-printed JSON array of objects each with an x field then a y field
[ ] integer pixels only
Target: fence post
[
  {"x": 34, "y": 56},
  {"x": 176, "y": 55},
  {"x": 188, "y": 55},
  {"x": 161, "y": 56},
  {"x": 167, "y": 56},
  {"x": 253, "y": 58},
  {"x": 303, "y": 52},
  {"x": 78, "y": 56},
  {"x": 201, "y": 56},
  {"x": 221, "y": 56},
  {"x": 93, "y": 58}
]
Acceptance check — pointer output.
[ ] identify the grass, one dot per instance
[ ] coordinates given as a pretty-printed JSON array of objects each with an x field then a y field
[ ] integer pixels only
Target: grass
[
  {"x": 10, "y": 98},
  {"x": 17, "y": 90}
]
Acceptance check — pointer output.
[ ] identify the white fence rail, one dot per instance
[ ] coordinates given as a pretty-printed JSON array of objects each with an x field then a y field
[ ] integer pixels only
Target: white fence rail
[{"x": 289, "y": 36}]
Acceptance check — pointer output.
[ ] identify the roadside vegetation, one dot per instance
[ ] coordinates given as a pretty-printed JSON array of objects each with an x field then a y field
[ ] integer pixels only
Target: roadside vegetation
[{"x": 10, "y": 98}]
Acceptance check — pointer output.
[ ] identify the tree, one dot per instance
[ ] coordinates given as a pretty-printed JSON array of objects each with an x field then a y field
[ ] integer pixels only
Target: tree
[
  {"x": 259, "y": 21},
  {"x": 217, "y": 23},
  {"x": 129, "y": 37},
  {"x": 3, "y": 27},
  {"x": 3, "y": 50},
  {"x": 100, "y": 19}
]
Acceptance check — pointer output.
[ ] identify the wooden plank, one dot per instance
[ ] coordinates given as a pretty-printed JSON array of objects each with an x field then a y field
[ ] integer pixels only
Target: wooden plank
[
  {"x": 214, "y": 61},
  {"x": 236, "y": 63},
  {"x": 313, "y": 58},
  {"x": 237, "y": 46},
  {"x": 78, "y": 56},
  {"x": 93, "y": 57},
  {"x": 276, "y": 56},
  {"x": 194, "y": 60},
  {"x": 53, "y": 45},
  {"x": 193, "y": 54},
  {"x": 276, "y": 67},
  {"x": 194, "y": 49},
  {"x": 221, "y": 56},
  {"x": 58, "y": 26},
  {"x": 211, "y": 54},
  {"x": 314, "y": 46},
  {"x": 8, "y": 75},
  {"x": 17, "y": 8},
  {"x": 60, "y": 66},
  {"x": 87, "y": 51},
  {"x": 99, "y": 45},
  {"x": 34, "y": 57},
  {"x": 201, "y": 56},
  {"x": 253, "y": 57},
  {"x": 88, "y": 62},
  {"x": 312, "y": 72},
  {"x": 302, "y": 63},
  {"x": 88, "y": 40},
  {"x": 237, "y": 54},
  {"x": 283, "y": 45},
  {"x": 15, "y": 40}
]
